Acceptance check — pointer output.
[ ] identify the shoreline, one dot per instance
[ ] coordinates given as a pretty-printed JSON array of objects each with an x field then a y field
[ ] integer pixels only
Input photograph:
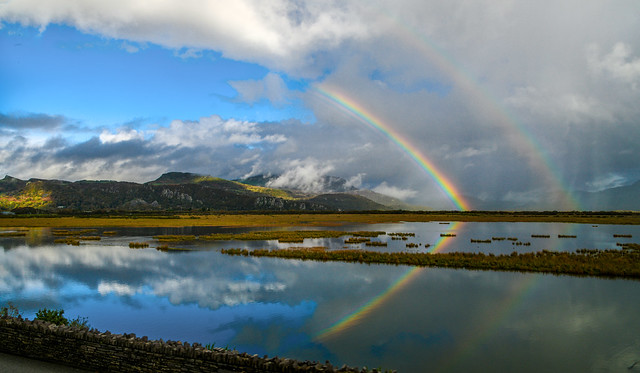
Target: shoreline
[{"x": 279, "y": 219}]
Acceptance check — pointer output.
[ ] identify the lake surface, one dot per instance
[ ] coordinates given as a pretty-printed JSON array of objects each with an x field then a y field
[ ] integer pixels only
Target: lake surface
[{"x": 392, "y": 317}]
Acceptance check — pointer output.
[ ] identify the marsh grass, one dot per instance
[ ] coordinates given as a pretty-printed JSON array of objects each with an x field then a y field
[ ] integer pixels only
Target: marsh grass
[
  {"x": 138, "y": 245},
  {"x": 167, "y": 248},
  {"x": 174, "y": 237},
  {"x": 66, "y": 232},
  {"x": 402, "y": 234},
  {"x": 287, "y": 236},
  {"x": 13, "y": 234},
  {"x": 273, "y": 219},
  {"x": 356, "y": 240},
  {"x": 376, "y": 243},
  {"x": 89, "y": 238},
  {"x": 607, "y": 263},
  {"x": 541, "y": 236},
  {"x": 68, "y": 241}
]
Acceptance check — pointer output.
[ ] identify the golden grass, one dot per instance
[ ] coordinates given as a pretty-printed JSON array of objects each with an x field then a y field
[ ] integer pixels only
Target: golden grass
[
  {"x": 606, "y": 263},
  {"x": 316, "y": 219},
  {"x": 13, "y": 234}
]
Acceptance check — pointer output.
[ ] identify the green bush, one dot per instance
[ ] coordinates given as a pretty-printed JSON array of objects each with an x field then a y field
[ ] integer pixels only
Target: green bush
[
  {"x": 52, "y": 316},
  {"x": 57, "y": 317}
]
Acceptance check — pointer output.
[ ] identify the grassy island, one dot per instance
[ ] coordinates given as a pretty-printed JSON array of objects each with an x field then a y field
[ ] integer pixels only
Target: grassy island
[{"x": 604, "y": 263}]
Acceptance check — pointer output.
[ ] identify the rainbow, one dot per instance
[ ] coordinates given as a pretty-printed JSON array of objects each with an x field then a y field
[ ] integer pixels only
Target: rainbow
[
  {"x": 353, "y": 318},
  {"x": 520, "y": 138},
  {"x": 359, "y": 112}
]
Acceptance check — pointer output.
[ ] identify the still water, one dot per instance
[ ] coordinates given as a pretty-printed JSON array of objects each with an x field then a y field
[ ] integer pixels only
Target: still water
[{"x": 392, "y": 317}]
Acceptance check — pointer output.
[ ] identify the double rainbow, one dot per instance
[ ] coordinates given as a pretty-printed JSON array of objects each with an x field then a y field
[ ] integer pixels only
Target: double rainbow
[{"x": 356, "y": 110}]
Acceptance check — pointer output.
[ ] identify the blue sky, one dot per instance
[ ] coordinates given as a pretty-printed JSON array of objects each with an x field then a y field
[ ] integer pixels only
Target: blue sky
[
  {"x": 128, "y": 91},
  {"x": 106, "y": 82}
]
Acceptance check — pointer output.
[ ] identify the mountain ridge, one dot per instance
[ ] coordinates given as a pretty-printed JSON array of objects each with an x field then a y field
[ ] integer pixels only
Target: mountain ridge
[{"x": 171, "y": 191}]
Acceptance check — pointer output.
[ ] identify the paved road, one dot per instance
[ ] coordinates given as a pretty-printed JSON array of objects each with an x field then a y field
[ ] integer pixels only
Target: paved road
[{"x": 19, "y": 364}]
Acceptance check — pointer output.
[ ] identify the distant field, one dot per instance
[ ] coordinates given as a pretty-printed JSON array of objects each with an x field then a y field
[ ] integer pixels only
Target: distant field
[{"x": 317, "y": 219}]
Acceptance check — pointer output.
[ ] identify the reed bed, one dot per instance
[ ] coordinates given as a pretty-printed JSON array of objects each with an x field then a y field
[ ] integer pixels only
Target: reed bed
[
  {"x": 66, "y": 232},
  {"x": 356, "y": 240},
  {"x": 629, "y": 246},
  {"x": 174, "y": 237},
  {"x": 68, "y": 241},
  {"x": 607, "y": 263},
  {"x": 287, "y": 236},
  {"x": 138, "y": 245},
  {"x": 13, "y": 234},
  {"x": 376, "y": 243},
  {"x": 401, "y": 234},
  {"x": 480, "y": 241},
  {"x": 89, "y": 238},
  {"x": 167, "y": 248},
  {"x": 319, "y": 219}
]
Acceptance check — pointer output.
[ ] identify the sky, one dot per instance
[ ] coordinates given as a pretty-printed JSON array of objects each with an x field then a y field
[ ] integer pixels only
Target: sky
[{"x": 441, "y": 104}]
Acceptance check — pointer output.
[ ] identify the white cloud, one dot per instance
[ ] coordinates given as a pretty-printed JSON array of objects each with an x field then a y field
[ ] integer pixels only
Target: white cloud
[
  {"x": 394, "y": 191},
  {"x": 122, "y": 134},
  {"x": 619, "y": 63},
  {"x": 468, "y": 83},
  {"x": 305, "y": 175},
  {"x": 611, "y": 180},
  {"x": 129, "y": 47},
  {"x": 279, "y": 33},
  {"x": 271, "y": 87},
  {"x": 549, "y": 106},
  {"x": 355, "y": 181},
  {"x": 213, "y": 131},
  {"x": 105, "y": 288}
]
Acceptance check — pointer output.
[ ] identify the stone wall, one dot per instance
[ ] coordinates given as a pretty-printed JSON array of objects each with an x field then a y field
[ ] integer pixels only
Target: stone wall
[{"x": 103, "y": 351}]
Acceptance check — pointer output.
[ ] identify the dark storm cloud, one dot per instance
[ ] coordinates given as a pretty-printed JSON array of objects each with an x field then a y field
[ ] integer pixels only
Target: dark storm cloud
[
  {"x": 95, "y": 149},
  {"x": 32, "y": 121}
]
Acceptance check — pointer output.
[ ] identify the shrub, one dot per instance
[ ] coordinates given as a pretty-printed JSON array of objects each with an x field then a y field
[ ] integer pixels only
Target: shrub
[
  {"x": 9, "y": 311},
  {"x": 52, "y": 316},
  {"x": 79, "y": 322},
  {"x": 57, "y": 317}
]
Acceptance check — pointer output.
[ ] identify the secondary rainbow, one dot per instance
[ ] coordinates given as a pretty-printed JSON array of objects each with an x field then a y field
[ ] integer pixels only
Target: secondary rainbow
[
  {"x": 523, "y": 141},
  {"x": 352, "y": 107}
]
